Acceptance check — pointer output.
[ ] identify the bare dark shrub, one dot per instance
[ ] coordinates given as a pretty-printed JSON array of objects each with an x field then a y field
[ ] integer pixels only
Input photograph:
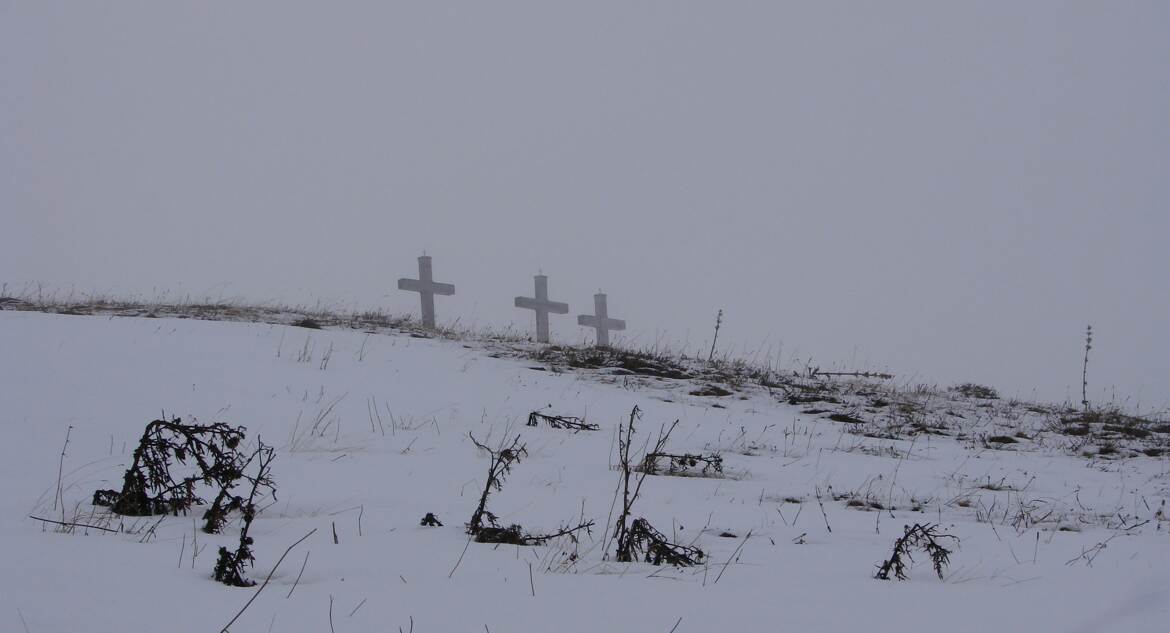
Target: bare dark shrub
[
  {"x": 640, "y": 540},
  {"x": 500, "y": 466},
  {"x": 105, "y": 497},
  {"x": 225, "y": 502},
  {"x": 430, "y": 520},
  {"x": 653, "y": 547},
  {"x": 149, "y": 487},
  {"x": 514, "y": 534},
  {"x": 923, "y": 537},
  {"x": 230, "y": 566},
  {"x": 511, "y": 535},
  {"x": 682, "y": 464},
  {"x": 492, "y": 531},
  {"x": 568, "y": 422}
]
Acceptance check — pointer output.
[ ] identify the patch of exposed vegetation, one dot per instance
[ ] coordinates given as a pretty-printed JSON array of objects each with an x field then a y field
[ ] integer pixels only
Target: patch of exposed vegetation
[
  {"x": 307, "y": 322},
  {"x": 979, "y": 392},
  {"x": 846, "y": 418},
  {"x": 640, "y": 363},
  {"x": 1117, "y": 434},
  {"x": 711, "y": 390}
]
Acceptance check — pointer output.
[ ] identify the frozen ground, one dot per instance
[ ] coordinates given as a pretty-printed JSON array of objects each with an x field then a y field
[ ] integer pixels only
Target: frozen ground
[{"x": 1031, "y": 514}]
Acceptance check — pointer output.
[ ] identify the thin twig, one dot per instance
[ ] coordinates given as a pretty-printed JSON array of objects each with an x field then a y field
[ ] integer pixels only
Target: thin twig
[
  {"x": 67, "y": 524},
  {"x": 452, "y": 574},
  {"x": 355, "y": 609},
  {"x": 331, "y": 630},
  {"x": 732, "y": 557},
  {"x": 298, "y": 580},
  {"x": 823, "y": 513},
  {"x": 60, "y": 470}
]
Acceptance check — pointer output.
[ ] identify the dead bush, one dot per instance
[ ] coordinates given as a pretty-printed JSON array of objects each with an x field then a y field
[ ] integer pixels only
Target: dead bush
[
  {"x": 922, "y": 537},
  {"x": 150, "y": 487}
]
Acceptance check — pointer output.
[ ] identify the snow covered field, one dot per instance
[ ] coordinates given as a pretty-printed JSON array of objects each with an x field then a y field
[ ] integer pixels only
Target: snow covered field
[{"x": 1030, "y": 513}]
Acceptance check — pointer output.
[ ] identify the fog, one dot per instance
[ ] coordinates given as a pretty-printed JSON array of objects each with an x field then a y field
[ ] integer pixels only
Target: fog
[{"x": 947, "y": 191}]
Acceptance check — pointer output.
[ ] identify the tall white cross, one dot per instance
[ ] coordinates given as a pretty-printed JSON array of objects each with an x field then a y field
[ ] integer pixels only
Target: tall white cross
[
  {"x": 427, "y": 288},
  {"x": 601, "y": 321},
  {"x": 542, "y": 306}
]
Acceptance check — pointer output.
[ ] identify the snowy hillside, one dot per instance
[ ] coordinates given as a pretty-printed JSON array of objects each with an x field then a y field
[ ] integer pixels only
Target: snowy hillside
[{"x": 1061, "y": 522}]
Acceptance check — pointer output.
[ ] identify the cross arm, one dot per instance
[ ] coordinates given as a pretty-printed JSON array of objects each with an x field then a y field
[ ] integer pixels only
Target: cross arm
[
  {"x": 433, "y": 287},
  {"x": 442, "y": 289},
  {"x": 590, "y": 320},
  {"x": 554, "y": 307}
]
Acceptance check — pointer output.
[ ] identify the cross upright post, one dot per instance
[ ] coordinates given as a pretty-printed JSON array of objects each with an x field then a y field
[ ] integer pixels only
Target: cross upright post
[
  {"x": 600, "y": 320},
  {"x": 542, "y": 306},
  {"x": 427, "y": 288}
]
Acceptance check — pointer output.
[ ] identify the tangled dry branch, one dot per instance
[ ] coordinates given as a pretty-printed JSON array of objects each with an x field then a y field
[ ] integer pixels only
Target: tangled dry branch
[
  {"x": 501, "y": 464},
  {"x": 923, "y": 537},
  {"x": 230, "y": 566},
  {"x": 639, "y": 540},
  {"x": 653, "y": 547},
  {"x": 149, "y": 487},
  {"x": 568, "y": 422},
  {"x": 682, "y": 463}
]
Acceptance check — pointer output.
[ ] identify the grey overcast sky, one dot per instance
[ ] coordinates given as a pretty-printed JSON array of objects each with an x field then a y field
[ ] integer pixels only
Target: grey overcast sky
[{"x": 950, "y": 190}]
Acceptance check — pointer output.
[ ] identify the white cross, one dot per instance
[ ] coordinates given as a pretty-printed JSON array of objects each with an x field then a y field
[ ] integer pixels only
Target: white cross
[
  {"x": 427, "y": 288},
  {"x": 601, "y": 321},
  {"x": 542, "y": 306}
]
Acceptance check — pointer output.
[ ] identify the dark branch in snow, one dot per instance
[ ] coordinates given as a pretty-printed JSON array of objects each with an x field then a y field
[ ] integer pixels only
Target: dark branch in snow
[
  {"x": 923, "y": 537},
  {"x": 150, "y": 487},
  {"x": 230, "y": 566},
  {"x": 568, "y": 422}
]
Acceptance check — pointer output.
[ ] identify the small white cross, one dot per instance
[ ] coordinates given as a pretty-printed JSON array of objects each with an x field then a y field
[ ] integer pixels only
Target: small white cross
[
  {"x": 601, "y": 321},
  {"x": 542, "y": 306},
  {"x": 427, "y": 288}
]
